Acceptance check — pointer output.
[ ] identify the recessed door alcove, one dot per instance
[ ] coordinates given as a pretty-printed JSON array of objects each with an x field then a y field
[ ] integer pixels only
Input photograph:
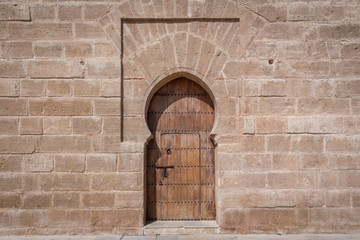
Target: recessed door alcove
[{"x": 180, "y": 175}]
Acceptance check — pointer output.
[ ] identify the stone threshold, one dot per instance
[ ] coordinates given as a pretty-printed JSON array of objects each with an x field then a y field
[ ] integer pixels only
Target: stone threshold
[{"x": 181, "y": 227}]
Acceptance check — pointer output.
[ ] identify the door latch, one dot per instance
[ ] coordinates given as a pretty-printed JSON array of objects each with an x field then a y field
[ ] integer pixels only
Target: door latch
[{"x": 165, "y": 173}]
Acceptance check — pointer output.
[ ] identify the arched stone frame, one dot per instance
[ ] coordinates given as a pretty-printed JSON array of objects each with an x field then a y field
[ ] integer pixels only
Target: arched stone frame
[
  {"x": 227, "y": 67},
  {"x": 156, "y": 84}
]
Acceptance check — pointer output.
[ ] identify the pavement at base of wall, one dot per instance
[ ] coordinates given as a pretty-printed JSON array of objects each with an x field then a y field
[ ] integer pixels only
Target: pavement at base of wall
[{"x": 193, "y": 237}]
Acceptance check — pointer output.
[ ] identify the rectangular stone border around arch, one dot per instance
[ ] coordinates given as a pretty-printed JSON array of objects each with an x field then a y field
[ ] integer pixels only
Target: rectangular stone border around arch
[{"x": 157, "y": 20}]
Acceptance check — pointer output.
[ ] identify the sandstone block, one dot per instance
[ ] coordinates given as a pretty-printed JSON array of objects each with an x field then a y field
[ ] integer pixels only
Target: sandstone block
[
  {"x": 92, "y": 12},
  {"x": 63, "y": 144},
  {"x": 85, "y": 88},
  {"x": 268, "y": 217},
  {"x": 292, "y": 50},
  {"x": 40, "y": 31},
  {"x": 108, "y": 69},
  {"x": 233, "y": 218},
  {"x": 111, "y": 125},
  {"x": 347, "y": 88},
  {"x": 342, "y": 144},
  {"x": 260, "y": 198},
  {"x": 32, "y": 88},
  {"x": 228, "y": 106},
  {"x": 255, "y": 69},
  {"x": 349, "y": 179},
  {"x": 31, "y": 125},
  {"x": 307, "y": 143},
  {"x": 301, "y": 68},
  {"x": 12, "y": 69},
  {"x": 43, "y": 12},
  {"x": 64, "y": 182},
  {"x": 257, "y": 162},
  {"x": 275, "y": 105},
  {"x": 113, "y": 218},
  {"x": 328, "y": 179},
  {"x": 9, "y": 126},
  {"x": 48, "y": 49},
  {"x": 101, "y": 163},
  {"x": 13, "y": 12},
  {"x": 69, "y": 12},
  {"x": 10, "y": 200},
  {"x": 87, "y": 125},
  {"x": 9, "y": 88},
  {"x": 60, "y": 107},
  {"x": 300, "y": 88},
  {"x": 282, "y": 180},
  {"x": 282, "y": 31},
  {"x": 10, "y": 183},
  {"x": 327, "y": 125},
  {"x": 117, "y": 181},
  {"x": 341, "y": 31},
  {"x": 343, "y": 161},
  {"x": 355, "y": 197},
  {"x": 3, "y": 30},
  {"x": 323, "y": 105},
  {"x": 107, "y": 106},
  {"x": 307, "y": 179},
  {"x": 232, "y": 198},
  {"x": 13, "y": 107},
  {"x": 11, "y": 163},
  {"x": 285, "y": 198},
  {"x": 254, "y": 143},
  {"x": 56, "y": 69},
  {"x": 133, "y": 106},
  {"x": 249, "y": 126},
  {"x": 98, "y": 200},
  {"x": 129, "y": 162},
  {"x": 299, "y": 124},
  {"x": 273, "y": 13},
  {"x": 66, "y": 200},
  {"x": 57, "y": 125},
  {"x": 314, "y": 161},
  {"x": 107, "y": 144},
  {"x": 238, "y": 180},
  {"x": 16, "y": 50},
  {"x": 16, "y": 144},
  {"x": 346, "y": 69},
  {"x": 31, "y": 182},
  {"x": 78, "y": 49},
  {"x": 110, "y": 88},
  {"x": 324, "y": 88},
  {"x": 88, "y": 30},
  {"x": 105, "y": 50},
  {"x": 355, "y": 106},
  {"x": 271, "y": 125},
  {"x": 129, "y": 200},
  {"x": 69, "y": 218},
  {"x": 350, "y": 50},
  {"x": 279, "y": 143},
  {"x": 58, "y": 88},
  {"x": 285, "y": 161},
  {"x": 39, "y": 163},
  {"x": 338, "y": 198},
  {"x": 70, "y": 163},
  {"x": 310, "y": 198},
  {"x": 42, "y": 200}
]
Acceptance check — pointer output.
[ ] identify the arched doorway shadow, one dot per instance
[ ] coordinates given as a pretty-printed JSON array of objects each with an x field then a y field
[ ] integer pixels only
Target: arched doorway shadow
[{"x": 180, "y": 169}]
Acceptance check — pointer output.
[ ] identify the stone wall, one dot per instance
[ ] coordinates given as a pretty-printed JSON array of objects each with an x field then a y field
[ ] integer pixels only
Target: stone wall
[{"x": 76, "y": 77}]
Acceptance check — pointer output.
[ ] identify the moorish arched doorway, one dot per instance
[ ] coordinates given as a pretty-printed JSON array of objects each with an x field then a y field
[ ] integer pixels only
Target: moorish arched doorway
[{"x": 180, "y": 158}]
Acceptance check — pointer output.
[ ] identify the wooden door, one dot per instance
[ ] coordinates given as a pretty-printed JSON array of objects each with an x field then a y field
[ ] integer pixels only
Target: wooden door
[{"x": 180, "y": 158}]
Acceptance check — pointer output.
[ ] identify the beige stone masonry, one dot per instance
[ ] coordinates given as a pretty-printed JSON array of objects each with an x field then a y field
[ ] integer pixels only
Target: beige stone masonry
[{"x": 76, "y": 78}]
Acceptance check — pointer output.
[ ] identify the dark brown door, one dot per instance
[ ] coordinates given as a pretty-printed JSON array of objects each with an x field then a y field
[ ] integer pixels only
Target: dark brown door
[{"x": 180, "y": 158}]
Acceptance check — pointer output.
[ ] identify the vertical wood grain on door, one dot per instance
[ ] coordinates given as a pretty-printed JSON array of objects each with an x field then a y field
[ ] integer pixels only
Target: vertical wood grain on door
[{"x": 180, "y": 116}]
